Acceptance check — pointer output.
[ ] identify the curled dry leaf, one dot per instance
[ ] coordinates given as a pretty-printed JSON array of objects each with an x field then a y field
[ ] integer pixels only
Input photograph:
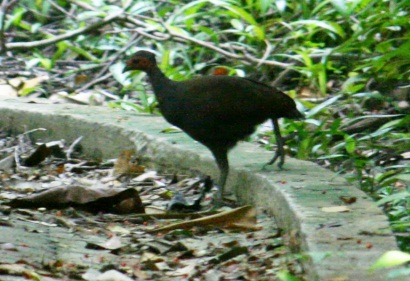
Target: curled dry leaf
[
  {"x": 243, "y": 217},
  {"x": 125, "y": 166}
]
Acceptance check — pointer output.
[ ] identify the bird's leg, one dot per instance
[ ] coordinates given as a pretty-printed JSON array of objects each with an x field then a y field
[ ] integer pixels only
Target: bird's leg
[
  {"x": 280, "y": 152},
  {"x": 221, "y": 157}
]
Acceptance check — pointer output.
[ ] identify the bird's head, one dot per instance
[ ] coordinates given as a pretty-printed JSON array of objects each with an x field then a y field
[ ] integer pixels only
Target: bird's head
[{"x": 141, "y": 60}]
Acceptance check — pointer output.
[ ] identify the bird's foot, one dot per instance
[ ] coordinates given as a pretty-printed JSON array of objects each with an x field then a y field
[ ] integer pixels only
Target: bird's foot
[
  {"x": 271, "y": 162},
  {"x": 228, "y": 200}
]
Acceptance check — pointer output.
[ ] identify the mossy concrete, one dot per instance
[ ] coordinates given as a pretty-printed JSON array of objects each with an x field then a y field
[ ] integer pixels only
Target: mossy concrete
[{"x": 341, "y": 245}]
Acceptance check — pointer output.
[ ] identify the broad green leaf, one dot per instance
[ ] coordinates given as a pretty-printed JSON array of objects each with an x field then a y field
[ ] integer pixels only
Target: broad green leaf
[
  {"x": 116, "y": 71},
  {"x": 341, "y": 7},
  {"x": 403, "y": 177},
  {"x": 177, "y": 30},
  {"x": 391, "y": 259},
  {"x": 264, "y": 5},
  {"x": 394, "y": 197},
  {"x": 376, "y": 134},
  {"x": 281, "y": 5},
  {"x": 331, "y": 26},
  {"x": 392, "y": 123},
  {"x": 350, "y": 144},
  {"x": 259, "y": 33},
  {"x": 241, "y": 13},
  {"x": 321, "y": 106},
  {"x": 141, "y": 7},
  {"x": 165, "y": 60},
  {"x": 32, "y": 62},
  {"x": 237, "y": 24},
  {"x": 83, "y": 52}
]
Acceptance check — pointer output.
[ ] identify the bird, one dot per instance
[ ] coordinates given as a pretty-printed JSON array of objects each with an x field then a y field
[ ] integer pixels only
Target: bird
[{"x": 217, "y": 110}]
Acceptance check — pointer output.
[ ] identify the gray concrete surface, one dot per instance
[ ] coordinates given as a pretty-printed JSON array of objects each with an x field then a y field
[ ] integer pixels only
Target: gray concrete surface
[{"x": 340, "y": 245}]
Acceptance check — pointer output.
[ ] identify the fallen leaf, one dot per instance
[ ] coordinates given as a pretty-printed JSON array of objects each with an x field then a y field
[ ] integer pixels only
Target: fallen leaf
[
  {"x": 114, "y": 243},
  {"x": 348, "y": 200},
  {"x": 19, "y": 270},
  {"x": 91, "y": 199},
  {"x": 150, "y": 175},
  {"x": 391, "y": 259},
  {"x": 111, "y": 275},
  {"x": 125, "y": 166},
  {"x": 146, "y": 256},
  {"x": 243, "y": 217},
  {"x": 335, "y": 209}
]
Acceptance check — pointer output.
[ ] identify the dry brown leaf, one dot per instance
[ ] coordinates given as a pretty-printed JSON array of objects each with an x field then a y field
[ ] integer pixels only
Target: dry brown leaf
[
  {"x": 124, "y": 165},
  {"x": 122, "y": 201},
  {"x": 335, "y": 209},
  {"x": 31, "y": 83},
  {"x": 348, "y": 199},
  {"x": 242, "y": 217}
]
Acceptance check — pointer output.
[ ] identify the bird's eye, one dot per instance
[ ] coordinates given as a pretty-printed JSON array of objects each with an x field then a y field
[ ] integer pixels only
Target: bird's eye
[{"x": 136, "y": 61}]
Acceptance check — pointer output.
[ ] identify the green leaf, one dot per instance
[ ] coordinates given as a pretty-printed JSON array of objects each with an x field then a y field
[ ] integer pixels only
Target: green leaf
[
  {"x": 141, "y": 7},
  {"x": 341, "y": 7},
  {"x": 393, "y": 123},
  {"x": 83, "y": 53},
  {"x": 237, "y": 24},
  {"x": 90, "y": 15},
  {"x": 281, "y": 5},
  {"x": 286, "y": 276},
  {"x": 390, "y": 259},
  {"x": 116, "y": 71},
  {"x": 350, "y": 144},
  {"x": 331, "y": 26},
  {"x": 403, "y": 177},
  {"x": 393, "y": 197},
  {"x": 177, "y": 30},
  {"x": 264, "y": 5},
  {"x": 321, "y": 106},
  {"x": 241, "y": 13},
  {"x": 259, "y": 33}
]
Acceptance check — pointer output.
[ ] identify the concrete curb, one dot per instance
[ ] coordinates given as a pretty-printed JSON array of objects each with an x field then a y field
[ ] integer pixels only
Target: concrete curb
[{"x": 341, "y": 245}]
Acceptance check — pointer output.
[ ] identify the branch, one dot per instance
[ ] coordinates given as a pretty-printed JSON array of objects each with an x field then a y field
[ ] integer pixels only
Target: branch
[
  {"x": 5, "y": 6},
  {"x": 160, "y": 36},
  {"x": 99, "y": 77},
  {"x": 68, "y": 35}
]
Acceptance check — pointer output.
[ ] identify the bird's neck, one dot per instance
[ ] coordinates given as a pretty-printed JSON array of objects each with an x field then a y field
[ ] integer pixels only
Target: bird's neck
[{"x": 160, "y": 83}]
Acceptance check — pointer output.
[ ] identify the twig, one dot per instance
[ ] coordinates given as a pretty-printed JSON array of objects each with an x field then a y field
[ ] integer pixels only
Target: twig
[
  {"x": 71, "y": 148},
  {"x": 266, "y": 54},
  {"x": 170, "y": 34},
  {"x": 281, "y": 77},
  {"x": 68, "y": 35},
  {"x": 5, "y": 6},
  {"x": 97, "y": 79},
  {"x": 93, "y": 82}
]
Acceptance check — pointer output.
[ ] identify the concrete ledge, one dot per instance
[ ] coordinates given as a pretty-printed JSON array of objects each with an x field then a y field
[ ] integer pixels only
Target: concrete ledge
[{"x": 341, "y": 246}]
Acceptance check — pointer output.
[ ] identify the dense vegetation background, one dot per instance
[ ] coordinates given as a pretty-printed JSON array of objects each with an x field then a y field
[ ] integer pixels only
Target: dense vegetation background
[{"x": 347, "y": 63}]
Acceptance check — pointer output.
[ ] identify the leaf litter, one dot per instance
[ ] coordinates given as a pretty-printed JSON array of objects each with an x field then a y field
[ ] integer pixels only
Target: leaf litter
[{"x": 67, "y": 218}]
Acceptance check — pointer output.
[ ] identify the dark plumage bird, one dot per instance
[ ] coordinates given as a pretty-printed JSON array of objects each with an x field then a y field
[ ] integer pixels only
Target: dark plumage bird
[{"x": 217, "y": 111}]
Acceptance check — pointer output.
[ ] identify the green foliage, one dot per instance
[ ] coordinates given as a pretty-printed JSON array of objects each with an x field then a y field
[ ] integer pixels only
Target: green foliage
[{"x": 336, "y": 51}]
